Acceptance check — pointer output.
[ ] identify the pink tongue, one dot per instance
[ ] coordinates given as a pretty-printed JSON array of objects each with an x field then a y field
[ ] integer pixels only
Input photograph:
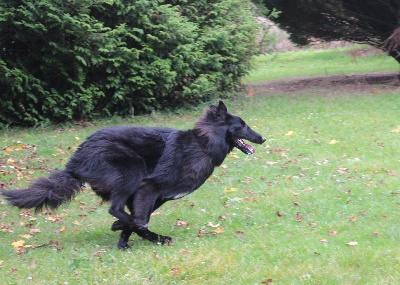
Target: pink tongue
[{"x": 249, "y": 147}]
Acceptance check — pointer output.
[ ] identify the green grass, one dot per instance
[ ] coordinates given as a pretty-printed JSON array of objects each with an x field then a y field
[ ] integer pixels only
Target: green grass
[
  {"x": 329, "y": 167},
  {"x": 318, "y": 63}
]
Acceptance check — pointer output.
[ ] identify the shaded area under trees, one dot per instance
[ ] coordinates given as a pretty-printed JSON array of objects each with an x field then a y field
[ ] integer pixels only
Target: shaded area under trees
[{"x": 374, "y": 22}]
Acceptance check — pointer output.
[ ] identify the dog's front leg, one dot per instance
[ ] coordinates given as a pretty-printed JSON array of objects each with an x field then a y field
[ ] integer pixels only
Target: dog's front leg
[{"x": 146, "y": 201}]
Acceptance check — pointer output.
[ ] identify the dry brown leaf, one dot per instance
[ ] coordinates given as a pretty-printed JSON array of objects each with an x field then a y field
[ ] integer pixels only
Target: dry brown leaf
[
  {"x": 180, "y": 223},
  {"x": 26, "y": 236},
  {"x": 333, "y": 233},
  {"x": 218, "y": 230},
  {"x": 34, "y": 231},
  {"x": 353, "y": 219},
  {"x": 280, "y": 214},
  {"x": 298, "y": 217},
  {"x": 175, "y": 271}
]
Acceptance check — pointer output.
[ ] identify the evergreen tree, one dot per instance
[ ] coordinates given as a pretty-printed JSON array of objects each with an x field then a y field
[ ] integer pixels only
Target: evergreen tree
[{"x": 64, "y": 59}]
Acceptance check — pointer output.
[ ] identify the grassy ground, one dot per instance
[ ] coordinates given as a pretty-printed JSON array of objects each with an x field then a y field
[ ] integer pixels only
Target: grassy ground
[
  {"x": 318, "y": 203},
  {"x": 358, "y": 59}
]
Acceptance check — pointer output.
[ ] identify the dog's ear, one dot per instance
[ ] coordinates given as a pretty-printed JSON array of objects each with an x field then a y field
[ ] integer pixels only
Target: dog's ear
[
  {"x": 221, "y": 109},
  {"x": 213, "y": 108}
]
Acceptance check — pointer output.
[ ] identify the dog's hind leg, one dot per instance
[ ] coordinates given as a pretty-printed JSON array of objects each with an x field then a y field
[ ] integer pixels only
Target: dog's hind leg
[
  {"x": 123, "y": 193},
  {"x": 126, "y": 232},
  {"x": 143, "y": 214},
  {"x": 146, "y": 200}
]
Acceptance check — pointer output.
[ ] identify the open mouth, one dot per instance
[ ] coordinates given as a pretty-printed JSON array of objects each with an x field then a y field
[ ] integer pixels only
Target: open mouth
[{"x": 244, "y": 147}]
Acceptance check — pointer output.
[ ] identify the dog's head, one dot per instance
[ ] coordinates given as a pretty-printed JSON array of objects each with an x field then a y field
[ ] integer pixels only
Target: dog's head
[{"x": 236, "y": 129}]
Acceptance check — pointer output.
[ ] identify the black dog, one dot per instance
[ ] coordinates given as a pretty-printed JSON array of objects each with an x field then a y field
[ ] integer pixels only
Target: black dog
[{"x": 142, "y": 168}]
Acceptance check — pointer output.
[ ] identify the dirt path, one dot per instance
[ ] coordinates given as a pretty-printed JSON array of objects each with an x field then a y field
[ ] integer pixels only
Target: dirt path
[{"x": 376, "y": 83}]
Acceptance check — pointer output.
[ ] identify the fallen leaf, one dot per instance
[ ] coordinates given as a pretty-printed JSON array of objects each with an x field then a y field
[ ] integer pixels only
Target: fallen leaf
[
  {"x": 352, "y": 243},
  {"x": 324, "y": 240},
  {"x": 211, "y": 225},
  {"x": 175, "y": 271},
  {"x": 342, "y": 170},
  {"x": 18, "y": 147},
  {"x": 231, "y": 190},
  {"x": 298, "y": 218},
  {"x": 76, "y": 223},
  {"x": 333, "y": 142},
  {"x": 280, "y": 214},
  {"x": 34, "y": 231},
  {"x": 296, "y": 204},
  {"x": 183, "y": 251},
  {"x": 313, "y": 225},
  {"x": 289, "y": 133},
  {"x": 19, "y": 243},
  {"x": 11, "y": 161},
  {"x": 32, "y": 266},
  {"x": 353, "y": 219},
  {"x": 268, "y": 281},
  {"x": 180, "y": 223},
  {"x": 364, "y": 213},
  {"x": 99, "y": 252},
  {"x": 26, "y": 236},
  {"x": 20, "y": 250},
  {"x": 55, "y": 219},
  {"x": 219, "y": 230},
  {"x": 396, "y": 130},
  {"x": 333, "y": 233}
]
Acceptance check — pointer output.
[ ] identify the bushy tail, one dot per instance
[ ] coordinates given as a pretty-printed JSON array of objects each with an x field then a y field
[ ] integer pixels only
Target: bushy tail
[{"x": 45, "y": 192}]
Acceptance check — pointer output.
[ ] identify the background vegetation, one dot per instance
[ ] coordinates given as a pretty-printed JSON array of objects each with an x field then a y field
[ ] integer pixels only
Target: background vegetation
[
  {"x": 62, "y": 60},
  {"x": 373, "y": 22}
]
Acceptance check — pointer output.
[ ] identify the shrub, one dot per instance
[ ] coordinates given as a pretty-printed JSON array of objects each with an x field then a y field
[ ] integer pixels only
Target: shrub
[{"x": 62, "y": 60}]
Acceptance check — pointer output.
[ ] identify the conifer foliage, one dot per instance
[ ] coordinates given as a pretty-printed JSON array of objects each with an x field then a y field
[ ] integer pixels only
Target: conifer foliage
[{"x": 65, "y": 59}]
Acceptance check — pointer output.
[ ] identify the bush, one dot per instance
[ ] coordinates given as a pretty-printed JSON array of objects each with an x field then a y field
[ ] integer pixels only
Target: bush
[{"x": 62, "y": 60}]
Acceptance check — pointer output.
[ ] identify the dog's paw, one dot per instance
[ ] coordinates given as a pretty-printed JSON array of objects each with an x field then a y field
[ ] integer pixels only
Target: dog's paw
[
  {"x": 123, "y": 246},
  {"x": 165, "y": 240},
  {"x": 119, "y": 226}
]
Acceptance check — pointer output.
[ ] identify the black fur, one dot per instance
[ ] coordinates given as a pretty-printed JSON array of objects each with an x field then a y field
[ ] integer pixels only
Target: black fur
[{"x": 141, "y": 168}]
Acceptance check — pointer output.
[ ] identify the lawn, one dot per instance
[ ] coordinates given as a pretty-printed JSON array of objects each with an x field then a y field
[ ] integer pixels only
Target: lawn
[
  {"x": 318, "y": 203},
  {"x": 309, "y": 62}
]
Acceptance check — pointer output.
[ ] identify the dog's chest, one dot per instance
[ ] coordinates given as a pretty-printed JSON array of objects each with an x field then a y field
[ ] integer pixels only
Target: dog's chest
[{"x": 181, "y": 195}]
